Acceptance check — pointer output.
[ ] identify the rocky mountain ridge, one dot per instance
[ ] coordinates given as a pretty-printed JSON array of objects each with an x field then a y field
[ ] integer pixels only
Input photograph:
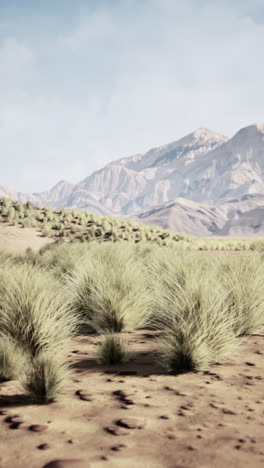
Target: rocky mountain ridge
[{"x": 189, "y": 183}]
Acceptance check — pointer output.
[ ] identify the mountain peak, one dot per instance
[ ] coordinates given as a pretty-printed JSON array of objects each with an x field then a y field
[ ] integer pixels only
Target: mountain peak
[
  {"x": 251, "y": 131},
  {"x": 62, "y": 183},
  {"x": 206, "y": 134}
]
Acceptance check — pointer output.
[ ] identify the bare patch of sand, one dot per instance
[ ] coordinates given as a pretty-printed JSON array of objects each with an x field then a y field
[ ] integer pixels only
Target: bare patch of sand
[
  {"x": 135, "y": 415},
  {"x": 17, "y": 238}
]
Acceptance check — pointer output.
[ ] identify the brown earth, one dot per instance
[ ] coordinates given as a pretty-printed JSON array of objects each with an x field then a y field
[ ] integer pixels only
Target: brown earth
[
  {"x": 134, "y": 415},
  {"x": 16, "y": 238}
]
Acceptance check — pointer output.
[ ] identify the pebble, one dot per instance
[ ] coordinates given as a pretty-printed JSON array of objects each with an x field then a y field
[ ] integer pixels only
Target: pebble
[
  {"x": 43, "y": 446},
  {"x": 130, "y": 423},
  {"x": 37, "y": 427},
  {"x": 115, "y": 430},
  {"x": 67, "y": 463}
]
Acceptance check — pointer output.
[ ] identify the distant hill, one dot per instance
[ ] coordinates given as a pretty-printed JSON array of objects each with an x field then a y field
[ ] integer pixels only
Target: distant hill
[
  {"x": 167, "y": 184},
  {"x": 231, "y": 217}
]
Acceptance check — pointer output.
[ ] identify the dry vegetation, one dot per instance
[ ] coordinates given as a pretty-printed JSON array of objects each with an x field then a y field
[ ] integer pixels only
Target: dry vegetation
[{"x": 201, "y": 308}]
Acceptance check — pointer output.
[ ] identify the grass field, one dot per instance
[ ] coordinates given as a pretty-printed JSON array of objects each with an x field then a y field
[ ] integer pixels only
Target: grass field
[{"x": 201, "y": 305}]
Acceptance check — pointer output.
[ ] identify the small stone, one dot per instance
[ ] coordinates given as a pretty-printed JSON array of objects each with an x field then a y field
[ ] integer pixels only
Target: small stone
[
  {"x": 43, "y": 446},
  {"x": 118, "y": 447},
  {"x": 14, "y": 419},
  {"x": 115, "y": 430},
  {"x": 37, "y": 427},
  {"x": 164, "y": 416},
  {"x": 248, "y": 363},
  {"x": 86, "y": 398},
  {"x": 130, "y": 423},
  {"x": 67, "y": 463},
  {"x": 120, "y": 393},
  {"x": 83, "y": 395},
  {"x": 128, "y": 402},
  {"x": 227, "y": 411}
]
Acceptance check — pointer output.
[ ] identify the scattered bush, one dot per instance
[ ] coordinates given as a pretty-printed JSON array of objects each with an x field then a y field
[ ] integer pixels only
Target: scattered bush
[{"x": 112, "y": 351}]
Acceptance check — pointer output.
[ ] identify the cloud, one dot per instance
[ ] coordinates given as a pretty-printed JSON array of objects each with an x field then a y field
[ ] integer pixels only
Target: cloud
[{"x": 124, "y": 77}]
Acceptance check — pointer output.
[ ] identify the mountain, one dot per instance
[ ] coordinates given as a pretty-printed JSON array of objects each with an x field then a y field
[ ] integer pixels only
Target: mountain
[
  {"x": 143, "y": 180},
  {"x": 227, "y": 217},
  {"x": 205, "y": 183}
]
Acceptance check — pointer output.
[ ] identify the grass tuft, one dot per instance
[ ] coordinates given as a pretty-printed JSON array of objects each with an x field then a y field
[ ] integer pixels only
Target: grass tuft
[
  {"x": 112, "y": 351},
  {"x": 46, "y": 378},
  {"x": 12, "y": 359}
]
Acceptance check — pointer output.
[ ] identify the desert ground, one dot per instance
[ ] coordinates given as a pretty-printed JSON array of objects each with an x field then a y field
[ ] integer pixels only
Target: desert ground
[
  {"x": 135, "y": 415},
  {"x": 17, "y": 239}
]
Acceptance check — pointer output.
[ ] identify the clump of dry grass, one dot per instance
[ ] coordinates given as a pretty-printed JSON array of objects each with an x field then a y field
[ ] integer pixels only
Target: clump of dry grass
[
  {"x": 12, "y": 359},
  {"x": 193, "y": 314},
  {"x": 46, "y": 378},
  {"x": 242, "y": 279},
  {"x": 109, "y": 290},
  {"x": 37, "y": 319},
  {"x": 112, "y": 351}
]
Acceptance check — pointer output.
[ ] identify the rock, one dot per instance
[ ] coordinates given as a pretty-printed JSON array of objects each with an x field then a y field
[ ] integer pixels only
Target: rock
[
  {"x": 127, "y": 401},
  {"x": 227, "y": 411},
  {"x": 250, "y": 363},
  {"x": 130, "y": 423},
  {"x": 86, "y": 398},
  {"x": 115, "y": 430},
  {"x": 43, "y": 446},
  {"x": 83, "y": 395},
  {"x": 118, "y": 447},
  {"x": 67, "y": 463},
  {"x": 120, "y": 393},
  {"x": 15, "y": 425},
  {"x": 14, "y": 419},
  {"x": 37, "y": 427}
]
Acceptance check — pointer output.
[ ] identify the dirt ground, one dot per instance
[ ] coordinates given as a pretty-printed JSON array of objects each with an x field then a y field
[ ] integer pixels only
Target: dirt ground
[
  {"x": 135, "y": 415},
  {"x": 16, "y": 238}
]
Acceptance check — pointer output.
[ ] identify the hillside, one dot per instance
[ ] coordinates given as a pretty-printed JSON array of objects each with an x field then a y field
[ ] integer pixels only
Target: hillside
[
  {"x": 161, "y": 185},
  {"x": 227, "y": 217}
]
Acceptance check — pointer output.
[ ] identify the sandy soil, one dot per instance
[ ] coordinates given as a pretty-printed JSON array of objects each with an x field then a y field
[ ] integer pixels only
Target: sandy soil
[
  {"x": 134, "y": 415},
  {"x": 17, "y": 238}
]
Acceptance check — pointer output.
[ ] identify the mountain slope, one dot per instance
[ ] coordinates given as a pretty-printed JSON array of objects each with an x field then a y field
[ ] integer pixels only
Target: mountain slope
[
  {"x": 230, "y": 217},
  {"x": 141, "y": 181},
  {"x": 202, "y": 167}
]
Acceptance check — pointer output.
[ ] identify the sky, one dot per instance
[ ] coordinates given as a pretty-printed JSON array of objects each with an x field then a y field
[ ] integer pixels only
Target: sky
[{"x": 84, "y": 82}]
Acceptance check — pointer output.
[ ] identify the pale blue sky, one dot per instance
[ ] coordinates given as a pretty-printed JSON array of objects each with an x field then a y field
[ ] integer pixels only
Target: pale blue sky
[{"x": 83, "y": 82}]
